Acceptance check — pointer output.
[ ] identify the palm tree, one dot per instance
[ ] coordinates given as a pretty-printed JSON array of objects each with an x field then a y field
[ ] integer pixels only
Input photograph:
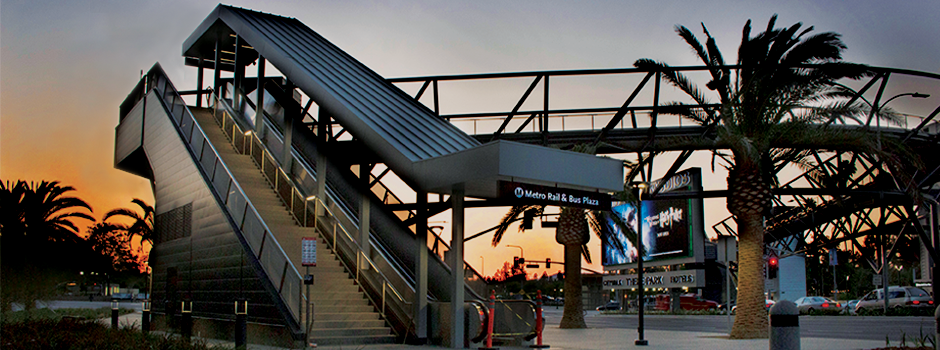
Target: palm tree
[
  {"x": 39, "y": 211},
  {"x": 142, "y": 224},
  {"x": 40, "y": 241},
  {"x": 573, "y": 234},
  {"x": 779, "y": 106}
]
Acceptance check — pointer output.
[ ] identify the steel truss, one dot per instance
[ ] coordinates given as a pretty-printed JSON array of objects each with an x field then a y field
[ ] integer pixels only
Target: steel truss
[{"x": 838, "y": 199}]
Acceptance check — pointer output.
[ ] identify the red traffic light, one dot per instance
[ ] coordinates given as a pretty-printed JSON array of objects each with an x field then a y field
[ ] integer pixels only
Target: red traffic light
[{"x": 773, "y": 261}]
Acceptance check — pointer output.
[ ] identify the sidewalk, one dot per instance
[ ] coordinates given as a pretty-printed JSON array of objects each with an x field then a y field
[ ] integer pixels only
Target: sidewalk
[{"x": 607, "y": 338}]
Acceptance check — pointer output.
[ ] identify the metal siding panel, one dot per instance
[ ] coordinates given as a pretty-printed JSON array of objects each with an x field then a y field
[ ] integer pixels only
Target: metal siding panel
[{"x": 212, "y": 252}]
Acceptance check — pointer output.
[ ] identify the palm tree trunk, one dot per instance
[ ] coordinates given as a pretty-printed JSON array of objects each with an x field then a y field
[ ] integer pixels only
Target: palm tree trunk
[
  {"x": 573, "y": 316},
  {"x": 751, "y": 319},
  {"x": 750, "y": 195}
]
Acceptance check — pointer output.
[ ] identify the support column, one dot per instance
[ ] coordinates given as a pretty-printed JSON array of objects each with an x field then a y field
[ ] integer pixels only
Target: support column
[
  {"x": 259, "y": 99},
  {"x": 199, "y": 74},
  {"x": 239, "y": 76},
  {"x": 321, "y": 164},
  {"x": 884, "y": 270},
  {"x": 456, "y": 265},
  {"x": 933, "y": 217},
  {"x": 365, "y": 205},
  {"x": 421, "y": 269},
  {"x": 288, "y": 127},
  {"x": 217, "y": 68}
]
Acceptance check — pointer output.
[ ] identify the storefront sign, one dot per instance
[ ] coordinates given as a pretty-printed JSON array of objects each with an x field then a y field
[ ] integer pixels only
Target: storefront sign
[
  {"x": 563, "y": 197},
  {"x": 669, "y": 279}
]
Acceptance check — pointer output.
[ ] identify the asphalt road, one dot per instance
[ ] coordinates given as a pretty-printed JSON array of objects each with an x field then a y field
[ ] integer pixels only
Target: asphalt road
[{"x": 840, "y": 327}]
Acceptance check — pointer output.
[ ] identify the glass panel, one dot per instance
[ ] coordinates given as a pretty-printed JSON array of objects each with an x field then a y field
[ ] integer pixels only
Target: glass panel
[
  {"x": 197, "y": 143},
  {"x": 208, "y": 162},
  {"x": 236, "y": 205},
  {"x": 297, "y": 207},
  {"x": 220, "y": 180},
  {"x": 188, "y": 126},
  {"x": 272, "y": 261},
  {"x": 253, "y": 231}
]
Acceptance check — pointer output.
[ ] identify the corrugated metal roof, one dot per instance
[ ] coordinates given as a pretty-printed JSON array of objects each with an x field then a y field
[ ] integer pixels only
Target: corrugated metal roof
[
  {"x": 420, "y": 147},
  {"x": 381, "y": 115}
]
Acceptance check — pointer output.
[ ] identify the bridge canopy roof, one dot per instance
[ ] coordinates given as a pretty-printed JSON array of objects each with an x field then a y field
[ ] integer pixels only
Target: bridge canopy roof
[{"x": 424, "y": 149}]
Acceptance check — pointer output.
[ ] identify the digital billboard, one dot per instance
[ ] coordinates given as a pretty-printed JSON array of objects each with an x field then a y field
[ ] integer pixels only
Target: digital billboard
[{"x": 668, "y": 227}]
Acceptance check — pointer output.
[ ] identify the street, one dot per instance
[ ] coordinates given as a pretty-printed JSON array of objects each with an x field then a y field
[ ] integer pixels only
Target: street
[{"x": 841, "y": 327}]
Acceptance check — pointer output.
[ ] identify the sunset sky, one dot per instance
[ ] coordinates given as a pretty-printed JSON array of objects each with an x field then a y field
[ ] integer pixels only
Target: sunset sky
[{"x": 65, "y": 66}]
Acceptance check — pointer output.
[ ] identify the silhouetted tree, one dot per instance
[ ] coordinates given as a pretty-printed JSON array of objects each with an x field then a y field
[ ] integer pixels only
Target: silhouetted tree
[{"x": 777, "y": 108}]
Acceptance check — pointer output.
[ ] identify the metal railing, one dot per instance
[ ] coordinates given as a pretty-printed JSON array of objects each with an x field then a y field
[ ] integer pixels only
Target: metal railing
[
  {"x": 303, "y": 208},
  {"x": 274, "y": 260}
]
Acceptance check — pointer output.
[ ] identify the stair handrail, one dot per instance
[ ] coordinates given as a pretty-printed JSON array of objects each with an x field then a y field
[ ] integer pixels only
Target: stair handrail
[
  {"x": 475, "y": 280},
  {"x": 253, "y": 140},
  {"x": 155, "y": 75}
]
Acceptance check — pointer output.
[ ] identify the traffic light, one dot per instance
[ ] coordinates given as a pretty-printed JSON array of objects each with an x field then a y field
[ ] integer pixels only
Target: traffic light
[
  {"x": 515, "y": 262},
  {"x": 548, "y": 263},
  {"x": 772, "y": 266},
  {"x": 527, "y": 217}
]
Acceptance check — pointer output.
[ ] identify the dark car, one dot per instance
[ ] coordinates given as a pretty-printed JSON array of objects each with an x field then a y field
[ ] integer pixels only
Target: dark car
[
  {"x": 898, "y": 298},
  {"x": 688, "y": 301},
  {"x": 810, "y": 305},
  {"x": 612, "y": 305},
  {"x": 767, "y": 304}
]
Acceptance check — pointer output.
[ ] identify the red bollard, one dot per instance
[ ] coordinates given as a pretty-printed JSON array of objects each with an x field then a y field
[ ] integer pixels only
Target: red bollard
[
  {"x": 539, "y": 324},
  {"x": 489, "y": 326}
]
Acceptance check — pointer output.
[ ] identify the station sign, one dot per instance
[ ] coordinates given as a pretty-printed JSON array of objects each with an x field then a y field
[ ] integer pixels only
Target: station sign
[
  {"x": 667, "y": 279},
  {"x": 522, "y": 193}
]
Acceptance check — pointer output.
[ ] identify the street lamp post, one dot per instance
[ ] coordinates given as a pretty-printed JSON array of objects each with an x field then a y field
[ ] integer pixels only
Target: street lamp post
[
  {"x": 875, "y": 108},
  {"x": 521, "y": 252},
  {"x": 639, "y": 187}
]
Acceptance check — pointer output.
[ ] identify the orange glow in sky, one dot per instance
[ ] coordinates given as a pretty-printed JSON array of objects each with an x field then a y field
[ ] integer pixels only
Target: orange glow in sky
[{"x": 66, "y": 66}]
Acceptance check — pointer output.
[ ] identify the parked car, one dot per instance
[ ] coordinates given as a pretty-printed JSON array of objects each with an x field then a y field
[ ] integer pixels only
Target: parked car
[
  {"x": 898, "y": 297},
  {"x": 767, "y": 304},
  {"x": 611, "y": 305},
  {"x": 809, "y": 305},
  {"x": 688, "y": 301},
  {"x": 849, "y": 307}
]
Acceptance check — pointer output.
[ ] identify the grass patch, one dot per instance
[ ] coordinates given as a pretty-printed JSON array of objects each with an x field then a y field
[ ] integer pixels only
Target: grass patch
[
  {"x": 58, "y": 314},
  {"x": 75, "y": 334}
]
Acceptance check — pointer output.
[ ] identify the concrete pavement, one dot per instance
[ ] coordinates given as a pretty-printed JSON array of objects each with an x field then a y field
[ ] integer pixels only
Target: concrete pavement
[{"x": 611, "y": 338}]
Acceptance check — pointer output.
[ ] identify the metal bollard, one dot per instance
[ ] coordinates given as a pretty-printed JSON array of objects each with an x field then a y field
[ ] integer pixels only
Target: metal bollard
[
  {"x": 489, "y": 326},
  {"x": 936, "y": 336},
  {"x": 784, "y": 326},
  {"x": 114, "y": 314},
  {"x": 241, "y": 324},
  {"x": 186, "y": 328},
  {"x": 539, "y": 322},
  {"x": 145, "y": 317}
]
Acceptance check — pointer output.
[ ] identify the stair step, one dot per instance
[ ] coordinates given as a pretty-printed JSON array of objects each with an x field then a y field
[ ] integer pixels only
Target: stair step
[
  {"x": 334, "y": 340},
  {"x": 347, "y": 324},
  {"x": 346, "y": 316},
  {"x": 337, "y": 297},
  {"x": 344, "y": 308},
  {"x": 316, "y": 333}
]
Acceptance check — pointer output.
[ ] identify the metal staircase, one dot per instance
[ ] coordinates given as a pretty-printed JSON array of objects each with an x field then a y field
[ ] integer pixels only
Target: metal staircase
[{"x": 342, "y": 313}]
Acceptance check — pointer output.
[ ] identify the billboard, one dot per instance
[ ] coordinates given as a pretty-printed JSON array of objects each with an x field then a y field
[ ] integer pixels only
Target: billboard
[{"x": 671, "y": 229}]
